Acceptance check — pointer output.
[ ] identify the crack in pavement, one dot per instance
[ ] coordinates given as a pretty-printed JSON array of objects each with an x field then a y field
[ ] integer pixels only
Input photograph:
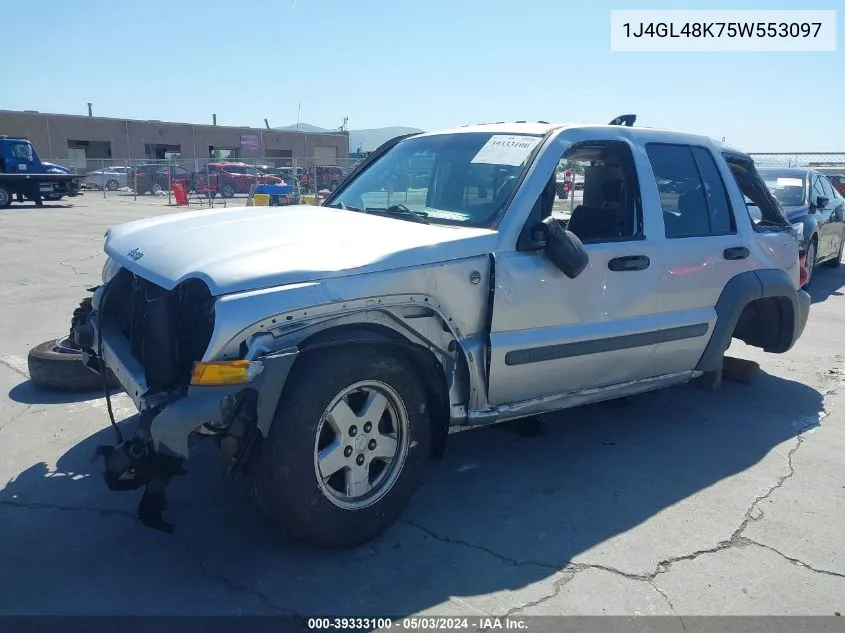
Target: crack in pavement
[
  {"x": 558, "y": 585},
  {"x": 664, "y": 566},
  {"x": 17, "y": 370},
  {"x": 510, "y": 562},
  {"x": 669, "y": 602},
  {"x": 16, "y": 417},
  {"x": 794, "y": 561},
  {"x": 237, "y": 586},
  {"x": 229, "y": 583},
  {"x": 73, "y": 268},
  {"x": 49, "y": 506}
]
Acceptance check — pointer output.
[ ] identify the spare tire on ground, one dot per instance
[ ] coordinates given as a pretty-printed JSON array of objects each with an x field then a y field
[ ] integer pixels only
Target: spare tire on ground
[{"x": 57, "y": 365}]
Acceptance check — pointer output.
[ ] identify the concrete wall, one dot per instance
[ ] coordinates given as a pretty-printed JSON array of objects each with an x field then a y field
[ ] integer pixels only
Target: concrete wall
[{"x": 50, "y": 134}]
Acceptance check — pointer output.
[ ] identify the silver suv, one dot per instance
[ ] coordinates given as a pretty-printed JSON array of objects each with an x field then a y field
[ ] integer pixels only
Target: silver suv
[{"x": 441, "y": 287}]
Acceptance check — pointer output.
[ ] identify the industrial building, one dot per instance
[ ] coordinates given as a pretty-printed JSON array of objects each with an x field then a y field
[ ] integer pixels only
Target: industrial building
[{"x": 81, "y": 140}]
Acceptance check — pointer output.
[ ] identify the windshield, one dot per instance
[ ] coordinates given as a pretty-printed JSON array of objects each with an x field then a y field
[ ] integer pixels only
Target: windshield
[
  {"x": 789, "y": 189},
  {"x": 23, "y": 151},
  {"x": 460, "y": 179}
]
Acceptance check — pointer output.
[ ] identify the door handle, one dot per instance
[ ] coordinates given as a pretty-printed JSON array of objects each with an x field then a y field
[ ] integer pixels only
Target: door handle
[
  {"x": 629, "y": 262},
  {"x": 737, "y": 252}
]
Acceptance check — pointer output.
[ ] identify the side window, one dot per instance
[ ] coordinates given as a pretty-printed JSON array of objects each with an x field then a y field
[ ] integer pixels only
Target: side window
[
  {"x": 595, "y": 190},
  {"x": 719, "y": 205},
  {"x": 827, "y": 188},
  {"x": 23, "y": 151},
  {"x": 818, "y": 189},
  {"x": 692, "y": 192}
]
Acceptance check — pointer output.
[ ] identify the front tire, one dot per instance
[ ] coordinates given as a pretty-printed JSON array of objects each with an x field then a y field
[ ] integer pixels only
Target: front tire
[
  {"x": 5, "y": 198},
  {"x": 348, "y": 446},
  {"x": 112, "y": 185}
]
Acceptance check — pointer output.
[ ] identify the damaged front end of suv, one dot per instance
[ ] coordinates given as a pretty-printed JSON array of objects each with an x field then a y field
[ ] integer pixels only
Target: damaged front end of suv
[{"x": 154, "y": 341}]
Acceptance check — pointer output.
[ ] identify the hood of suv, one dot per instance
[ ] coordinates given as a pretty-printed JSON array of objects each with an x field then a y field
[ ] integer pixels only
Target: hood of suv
[
  {"x": 793, "y": 214},
  {"x": 240, "y": 249}
]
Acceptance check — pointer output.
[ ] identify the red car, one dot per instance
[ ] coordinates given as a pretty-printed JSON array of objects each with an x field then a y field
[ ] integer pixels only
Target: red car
[
  {"x": 328, "y": 177},
  {"x": 235, "y": 178},
  {"x": 838, "y": 182}
]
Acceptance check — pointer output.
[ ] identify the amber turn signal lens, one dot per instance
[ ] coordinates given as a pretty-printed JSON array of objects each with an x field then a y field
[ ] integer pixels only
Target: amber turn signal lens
[{"x": 225, "y": 372}]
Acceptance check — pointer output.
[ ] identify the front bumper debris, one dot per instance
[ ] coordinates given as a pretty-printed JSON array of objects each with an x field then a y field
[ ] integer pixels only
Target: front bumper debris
[
  {"x": 134, "y": 464},
  {"x": 237, "y": 415}
]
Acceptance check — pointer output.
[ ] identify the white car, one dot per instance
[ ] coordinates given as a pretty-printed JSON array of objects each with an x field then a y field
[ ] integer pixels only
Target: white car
[{"x": 111, "y": 178}]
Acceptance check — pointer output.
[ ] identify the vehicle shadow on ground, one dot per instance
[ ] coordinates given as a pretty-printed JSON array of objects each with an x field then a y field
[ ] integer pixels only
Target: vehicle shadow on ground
[
  {"x": 28, "y": 392},
  {"x": 31, "y": 207},
  {"x": 827, "y": 282},
  {"x": 497, "y": 514}
]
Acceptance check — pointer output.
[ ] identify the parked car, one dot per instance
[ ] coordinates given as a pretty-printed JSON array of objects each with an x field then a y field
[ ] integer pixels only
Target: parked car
[
  {"x": 234, "y": 178},
  {"x": 838, "y": 182},
  {"x": 332, "y": 349},
  {"x": 152, "y": 177},
  {"x": 816, "y": 211},
  {"x": 285, "y": 173},
  {"x": 111, "y": 178},
  {"x": 289, "y": 175},
  {"x": 328, "y": 177}
]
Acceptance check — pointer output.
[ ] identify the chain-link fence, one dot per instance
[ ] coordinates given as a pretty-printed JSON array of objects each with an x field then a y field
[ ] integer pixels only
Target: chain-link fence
[
  {"x": 210, "y": 178},
  {"x": 831, "y": 165},
  {"x": 810, "y": 160},
  {"x": 221, "y": 179}
]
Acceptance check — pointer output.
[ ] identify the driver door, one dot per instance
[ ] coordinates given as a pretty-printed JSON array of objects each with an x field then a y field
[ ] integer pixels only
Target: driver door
[
  {"x": 551, "y": 335},
  {"x": 21, "y": 158}
]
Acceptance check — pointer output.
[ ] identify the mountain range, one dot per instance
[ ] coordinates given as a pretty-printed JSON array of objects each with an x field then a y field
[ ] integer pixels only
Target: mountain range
[{"x": 367, "y": 139}]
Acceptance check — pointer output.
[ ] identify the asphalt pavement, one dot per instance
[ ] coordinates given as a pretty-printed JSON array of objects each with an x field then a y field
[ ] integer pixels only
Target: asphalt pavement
[{"x": 678, "y": 502}]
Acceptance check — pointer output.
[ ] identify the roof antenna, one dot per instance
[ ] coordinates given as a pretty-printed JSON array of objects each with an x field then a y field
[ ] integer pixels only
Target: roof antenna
[{"x": 625, "y": 119}]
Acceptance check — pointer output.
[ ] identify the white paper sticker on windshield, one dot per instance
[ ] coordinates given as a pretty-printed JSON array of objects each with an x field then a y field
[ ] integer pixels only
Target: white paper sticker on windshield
[
  {"x": 790, "y": 182},
  {"x": 503, "y": 149}
]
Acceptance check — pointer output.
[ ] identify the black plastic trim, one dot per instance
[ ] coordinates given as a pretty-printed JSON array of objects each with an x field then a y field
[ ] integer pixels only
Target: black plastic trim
[{"x": 597, "y": 346}]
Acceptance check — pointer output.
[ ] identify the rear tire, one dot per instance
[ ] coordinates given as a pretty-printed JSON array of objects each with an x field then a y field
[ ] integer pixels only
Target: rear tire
[
  {"x": 810, "y": 264},
  {"x": 227, "y": 191},
  {"x": 5, "y": 198},
  {"x": 55, "y": 366},
  {"x": 836, "y": 261},
  {"x": 305, "y": 477},
  {"x": 112, "y": 185}
]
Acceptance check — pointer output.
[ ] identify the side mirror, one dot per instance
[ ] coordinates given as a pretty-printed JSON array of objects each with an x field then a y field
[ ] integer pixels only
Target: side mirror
[
  {"x": 564, "y": 249},
  {"x": 822, "y": 202}
]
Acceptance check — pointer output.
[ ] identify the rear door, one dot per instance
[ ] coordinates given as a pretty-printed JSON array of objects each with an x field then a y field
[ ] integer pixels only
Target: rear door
[
  {"x": 829, "y": 219},
  {"x": 701, "y": 248}
]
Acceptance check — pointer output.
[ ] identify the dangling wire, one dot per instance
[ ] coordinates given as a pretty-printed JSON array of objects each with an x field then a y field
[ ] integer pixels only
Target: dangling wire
[{"x": 117, "y": 433}]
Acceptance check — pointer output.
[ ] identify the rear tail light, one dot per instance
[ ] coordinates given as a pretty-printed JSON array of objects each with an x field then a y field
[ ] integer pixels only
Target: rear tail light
[
  {"x": 804, "y": 274},
  {"x": 567, "y": 186}
]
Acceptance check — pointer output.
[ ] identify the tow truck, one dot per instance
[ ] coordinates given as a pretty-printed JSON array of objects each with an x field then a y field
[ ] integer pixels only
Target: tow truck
[{"x": 25, "y": 176}]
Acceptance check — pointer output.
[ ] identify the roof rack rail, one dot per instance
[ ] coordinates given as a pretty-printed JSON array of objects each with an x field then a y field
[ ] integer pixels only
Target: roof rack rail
[{"x": 624, "y": 119}]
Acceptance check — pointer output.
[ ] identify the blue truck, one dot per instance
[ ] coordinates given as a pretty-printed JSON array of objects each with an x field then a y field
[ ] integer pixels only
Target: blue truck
[{"x": 24, "y": 176}]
